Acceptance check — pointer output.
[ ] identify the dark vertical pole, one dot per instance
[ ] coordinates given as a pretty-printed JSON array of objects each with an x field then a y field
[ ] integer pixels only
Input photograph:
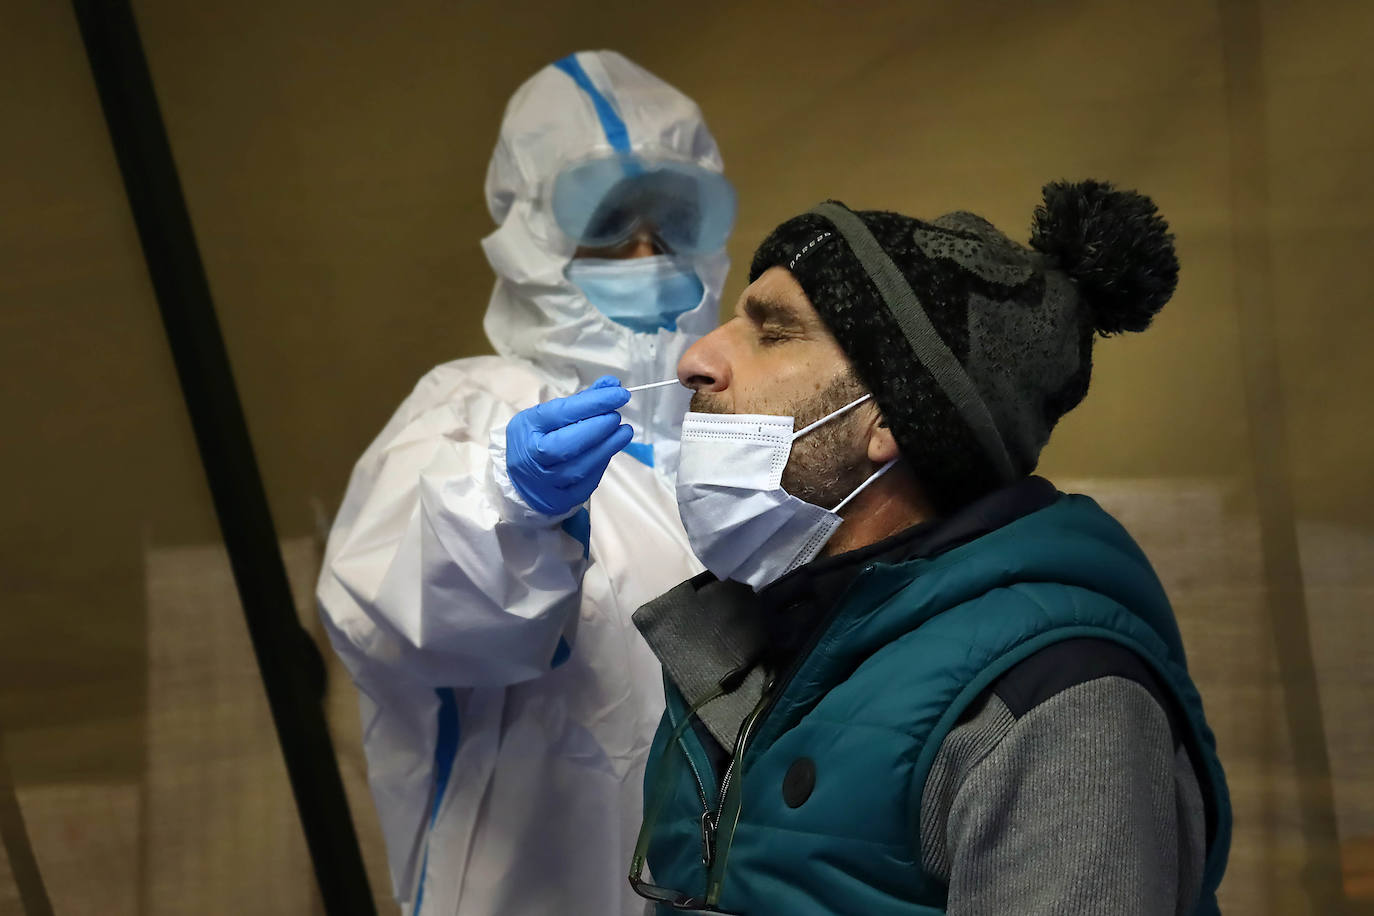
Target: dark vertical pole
[
  {"x": 33, "y": 896},
  {"x": 1242, "y": 50},
  {"x": 290, "y": 668}
]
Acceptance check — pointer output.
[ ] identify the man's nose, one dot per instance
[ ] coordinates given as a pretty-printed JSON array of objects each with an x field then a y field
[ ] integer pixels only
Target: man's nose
[{"x": 704, "y": 366}]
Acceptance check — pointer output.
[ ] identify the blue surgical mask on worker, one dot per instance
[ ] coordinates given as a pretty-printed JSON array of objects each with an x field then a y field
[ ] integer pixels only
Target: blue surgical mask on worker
[{"x": 643, "y": 294}]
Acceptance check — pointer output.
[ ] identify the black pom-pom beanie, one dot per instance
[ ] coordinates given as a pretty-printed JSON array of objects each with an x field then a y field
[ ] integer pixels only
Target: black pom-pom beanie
[{"x": 973, "y": 345}]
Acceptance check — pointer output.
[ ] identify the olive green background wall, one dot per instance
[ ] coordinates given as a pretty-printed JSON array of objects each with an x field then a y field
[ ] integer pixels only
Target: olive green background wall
[{"x": 332, "y": 155}]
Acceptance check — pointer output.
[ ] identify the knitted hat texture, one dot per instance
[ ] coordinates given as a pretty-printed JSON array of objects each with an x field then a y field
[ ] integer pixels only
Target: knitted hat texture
[{"x": 972, "y": 344}]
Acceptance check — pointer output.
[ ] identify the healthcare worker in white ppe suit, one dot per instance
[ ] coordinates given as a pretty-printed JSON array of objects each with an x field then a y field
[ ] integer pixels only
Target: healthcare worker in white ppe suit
[{"x": 498, "y": 534}]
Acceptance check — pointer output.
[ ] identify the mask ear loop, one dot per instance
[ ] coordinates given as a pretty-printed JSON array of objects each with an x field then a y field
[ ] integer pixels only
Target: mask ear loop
[
  {"x": 864, "y": 486},
  {"x": 826, "y": 419},
  {"x": 830, "y": 416}
]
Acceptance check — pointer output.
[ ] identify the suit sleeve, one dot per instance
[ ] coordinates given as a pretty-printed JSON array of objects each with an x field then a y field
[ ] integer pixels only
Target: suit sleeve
[{"x": 436, "y": 568}]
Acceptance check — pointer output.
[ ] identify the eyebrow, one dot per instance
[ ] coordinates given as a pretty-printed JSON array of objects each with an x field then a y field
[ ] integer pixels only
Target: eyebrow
[{"x": 762, "y": 311}]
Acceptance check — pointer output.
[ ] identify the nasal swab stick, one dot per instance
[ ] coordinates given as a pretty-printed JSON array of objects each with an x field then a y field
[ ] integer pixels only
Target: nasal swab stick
[{"x": 671, "y": 381}]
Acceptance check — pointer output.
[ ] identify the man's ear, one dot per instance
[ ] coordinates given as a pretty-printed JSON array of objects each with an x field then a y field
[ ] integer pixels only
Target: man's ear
[{"x": 882, "y": 447}]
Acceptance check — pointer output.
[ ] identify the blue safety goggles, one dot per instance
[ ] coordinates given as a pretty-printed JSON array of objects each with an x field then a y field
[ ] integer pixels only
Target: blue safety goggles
[{"x": 604, "y": 201}]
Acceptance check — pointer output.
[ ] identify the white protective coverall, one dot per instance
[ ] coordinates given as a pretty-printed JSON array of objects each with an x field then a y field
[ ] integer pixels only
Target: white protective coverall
[{"x": 508, "y": 703}]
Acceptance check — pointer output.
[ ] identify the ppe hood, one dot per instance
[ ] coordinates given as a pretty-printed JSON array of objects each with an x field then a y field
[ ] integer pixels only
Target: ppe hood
[{"x": 588, "y": 104}]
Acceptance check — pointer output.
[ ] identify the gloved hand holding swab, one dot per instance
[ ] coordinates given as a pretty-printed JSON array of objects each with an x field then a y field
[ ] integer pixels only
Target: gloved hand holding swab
[{"x": 556, "y": 451}]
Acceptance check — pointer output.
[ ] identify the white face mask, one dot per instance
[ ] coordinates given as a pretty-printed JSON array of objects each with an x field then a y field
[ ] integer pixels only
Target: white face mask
[{"x": 741, "y": 523}]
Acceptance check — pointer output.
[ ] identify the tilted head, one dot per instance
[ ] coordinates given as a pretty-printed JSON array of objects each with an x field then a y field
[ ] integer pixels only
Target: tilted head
[{"x": 972, "y": 345}]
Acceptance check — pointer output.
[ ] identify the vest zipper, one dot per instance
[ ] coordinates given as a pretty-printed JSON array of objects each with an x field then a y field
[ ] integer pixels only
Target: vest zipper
[
  {"x": 760, "y": 712},
  {"x": 710, "y": 820},
  {"x": 785, "y": 680},
  {"x": 701, "y": 785},
  {"x": 728, "y": 684},
  {"x": 707, "y": 832}
]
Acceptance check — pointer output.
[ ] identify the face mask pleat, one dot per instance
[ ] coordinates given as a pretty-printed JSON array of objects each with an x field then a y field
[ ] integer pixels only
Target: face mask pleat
[{"x": 740, "y": 521}]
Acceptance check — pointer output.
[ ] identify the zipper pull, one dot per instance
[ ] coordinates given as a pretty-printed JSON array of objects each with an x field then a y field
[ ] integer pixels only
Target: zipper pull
[{"x": 708, "y": 838}]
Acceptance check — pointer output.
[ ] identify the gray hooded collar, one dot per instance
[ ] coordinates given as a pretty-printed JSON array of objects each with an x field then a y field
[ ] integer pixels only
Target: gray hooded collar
[{"x": 703, "y": 631}]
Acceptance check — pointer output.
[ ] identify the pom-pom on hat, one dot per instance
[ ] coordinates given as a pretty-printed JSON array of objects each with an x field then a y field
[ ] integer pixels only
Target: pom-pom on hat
[{"x": 974, "y": 345}]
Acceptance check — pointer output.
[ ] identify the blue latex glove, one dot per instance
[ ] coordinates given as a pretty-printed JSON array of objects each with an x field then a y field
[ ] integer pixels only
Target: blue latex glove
[{"x": 557, "y": 451}]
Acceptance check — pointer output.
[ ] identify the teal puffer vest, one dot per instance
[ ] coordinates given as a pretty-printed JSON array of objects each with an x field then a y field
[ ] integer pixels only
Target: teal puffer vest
[{"x": 905, "y": 651}]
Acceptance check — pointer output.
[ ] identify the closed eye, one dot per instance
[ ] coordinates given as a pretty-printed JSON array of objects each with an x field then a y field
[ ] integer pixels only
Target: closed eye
[
  {"x": 776, "y": 321},
  {"x": 771, "y": 336}
]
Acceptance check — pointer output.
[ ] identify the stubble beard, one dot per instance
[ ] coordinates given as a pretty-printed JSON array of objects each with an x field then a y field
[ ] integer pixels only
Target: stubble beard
[{"x": 826, "y": 464}]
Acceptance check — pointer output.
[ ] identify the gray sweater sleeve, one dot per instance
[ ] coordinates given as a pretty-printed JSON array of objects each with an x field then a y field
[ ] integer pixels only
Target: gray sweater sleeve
[{"x": 1082, "y": 805}]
